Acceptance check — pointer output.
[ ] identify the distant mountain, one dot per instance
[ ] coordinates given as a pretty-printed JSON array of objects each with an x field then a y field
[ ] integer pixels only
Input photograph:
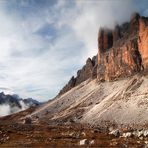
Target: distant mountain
[{"x": 13, "y": 103}]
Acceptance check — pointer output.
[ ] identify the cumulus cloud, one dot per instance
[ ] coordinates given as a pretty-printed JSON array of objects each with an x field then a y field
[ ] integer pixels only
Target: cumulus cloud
[{"x": 43, "y": 43}]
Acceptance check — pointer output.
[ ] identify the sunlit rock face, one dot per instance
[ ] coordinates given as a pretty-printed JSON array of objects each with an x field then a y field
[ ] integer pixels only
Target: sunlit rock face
[
  {"x": 143, "y": 41},
  {"x": 124, "y": 50}
]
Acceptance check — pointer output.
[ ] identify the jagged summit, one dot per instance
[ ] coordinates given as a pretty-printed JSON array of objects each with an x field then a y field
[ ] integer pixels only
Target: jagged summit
[{"x": 122, "y": 52}]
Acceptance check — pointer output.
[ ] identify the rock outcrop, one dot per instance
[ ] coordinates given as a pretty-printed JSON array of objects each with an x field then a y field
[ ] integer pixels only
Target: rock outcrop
[
  {"x": 143, "y": 40},
  {"x": 122, "y": 52}
]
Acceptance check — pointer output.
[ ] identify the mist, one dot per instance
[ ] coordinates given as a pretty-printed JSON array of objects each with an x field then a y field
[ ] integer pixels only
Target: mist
[{"x": 6, "y": 109}]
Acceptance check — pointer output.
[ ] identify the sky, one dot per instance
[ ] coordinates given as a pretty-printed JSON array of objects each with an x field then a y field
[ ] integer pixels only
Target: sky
[{"x": 44, "y": 42}]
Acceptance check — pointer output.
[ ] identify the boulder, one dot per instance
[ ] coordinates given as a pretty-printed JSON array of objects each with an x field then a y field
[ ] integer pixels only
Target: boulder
[
  {"x": 28, "y": 120},
  {"x": 115, "y": 132}
]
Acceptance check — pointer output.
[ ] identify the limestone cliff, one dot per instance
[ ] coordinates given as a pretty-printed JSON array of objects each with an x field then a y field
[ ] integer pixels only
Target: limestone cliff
[{"x": 122, "y": 52}]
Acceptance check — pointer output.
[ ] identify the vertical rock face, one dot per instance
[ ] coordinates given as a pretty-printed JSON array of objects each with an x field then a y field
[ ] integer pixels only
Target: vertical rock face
[
  {"x": 128, "y": 52},
  {"x": 143, "y": 40},
  {"x": 122, "y": 52}
]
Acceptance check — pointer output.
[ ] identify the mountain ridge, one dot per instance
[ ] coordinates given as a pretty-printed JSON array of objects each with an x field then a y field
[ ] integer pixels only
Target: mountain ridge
[{"x": 122, "y": 52}]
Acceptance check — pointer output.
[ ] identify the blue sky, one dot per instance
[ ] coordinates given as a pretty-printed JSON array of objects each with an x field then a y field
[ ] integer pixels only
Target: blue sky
[{"x": 44, "y": 42}]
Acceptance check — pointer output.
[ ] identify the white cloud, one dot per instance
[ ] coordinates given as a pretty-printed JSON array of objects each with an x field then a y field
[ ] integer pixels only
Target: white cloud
[
  {"x": 29, "y": 64},
  {"x": 5, "y": 109}
]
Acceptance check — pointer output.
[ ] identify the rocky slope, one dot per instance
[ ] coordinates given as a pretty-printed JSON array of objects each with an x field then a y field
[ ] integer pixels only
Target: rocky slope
[
  {"x": 122, "y": 102},
  {"x": 113, "y": 114}
]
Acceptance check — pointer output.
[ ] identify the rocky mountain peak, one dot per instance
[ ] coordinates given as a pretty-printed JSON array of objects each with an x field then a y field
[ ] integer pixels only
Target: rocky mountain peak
[{"x": 122, "y": 52}]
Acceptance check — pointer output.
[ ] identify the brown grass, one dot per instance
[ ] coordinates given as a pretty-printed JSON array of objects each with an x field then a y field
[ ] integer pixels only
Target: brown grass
[{"x": 21, "y": 135}]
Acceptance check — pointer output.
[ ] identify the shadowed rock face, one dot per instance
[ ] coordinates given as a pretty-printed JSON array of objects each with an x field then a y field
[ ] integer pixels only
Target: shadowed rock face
[
  {"x": 116, "y": 33},
  {"x": 89, "y": 70},
  {"x": 105, "y": 39},
  {"x": 122, "y": 52}
]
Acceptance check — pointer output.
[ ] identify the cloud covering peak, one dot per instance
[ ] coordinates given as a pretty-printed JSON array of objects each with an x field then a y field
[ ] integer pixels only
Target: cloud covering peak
[{"x": 43, "y": 43}]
